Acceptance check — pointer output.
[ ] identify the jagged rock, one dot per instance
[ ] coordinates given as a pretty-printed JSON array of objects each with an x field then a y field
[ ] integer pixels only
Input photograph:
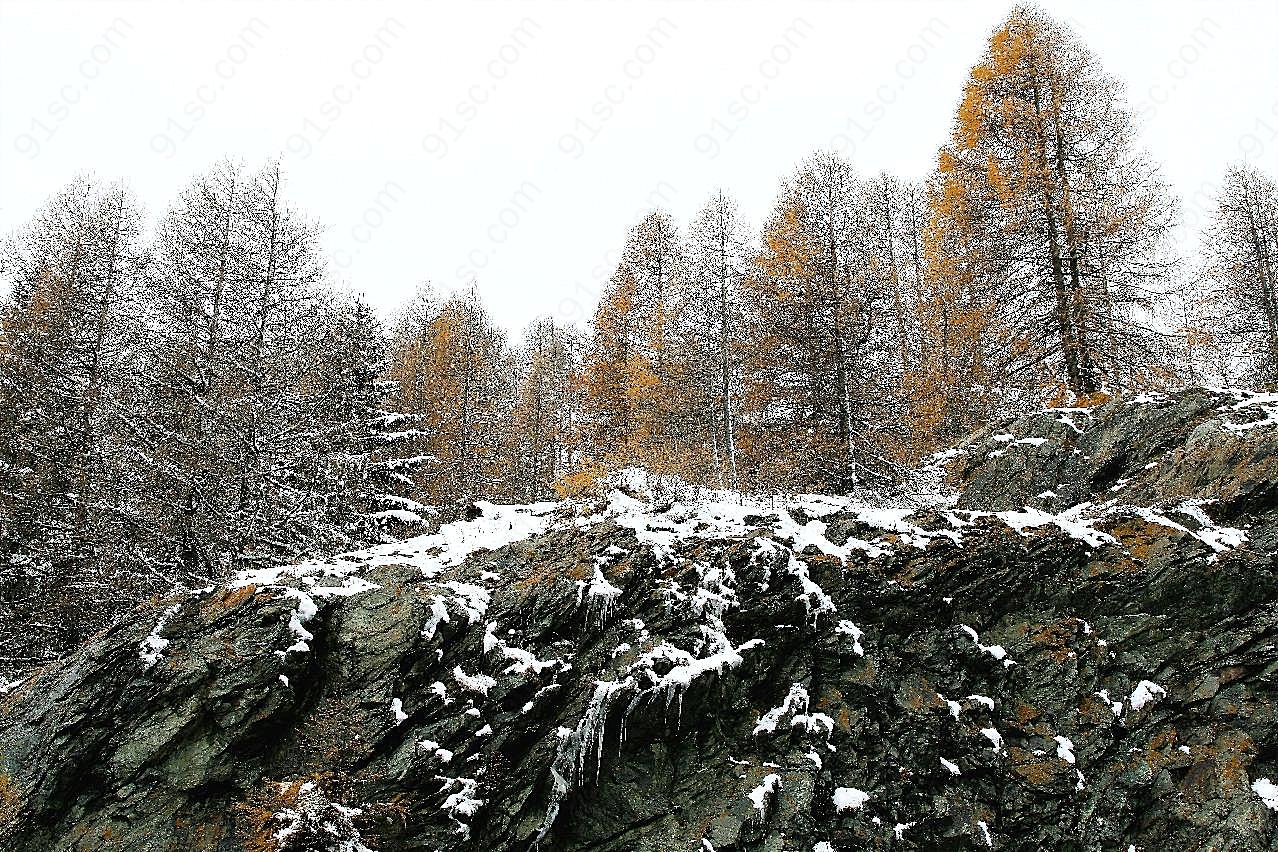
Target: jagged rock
[{"x": 1090, "y": 670}]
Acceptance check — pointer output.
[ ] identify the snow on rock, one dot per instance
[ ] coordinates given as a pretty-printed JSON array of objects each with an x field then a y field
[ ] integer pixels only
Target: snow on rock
[
  {"x": 439, "y": 690},
  {"x": 473, "y": 600},
  {"x": 442, "y": 754},
  {"x": 397, "y": 711},
  {"x": 893, "y": 520},
  {"x": 599, "y": 596},
  {"x": 314, "y": 819},
  {"x": 348, "y": 587},
  {"x": 1115, "y": 707},
  {"x": 577, "y": 745},
  {"x": 480, "y": 683},
  {"x": 1267, "y": 791},
  {"x": 951, "y": 766},
  {"x": 995, "y": 738},
  {"x": 496, "y": 527},
  {"x": 152, "y": 646},
  {"x": 689, "y": 667},
  {"x": 985, "y": 832},
  {"x": 305, "y": 611},
  {"x": 849, "y": 799},
  {"x": 1266, "y": 402},
  {"x": 1146, "y": 692},
  {"x": 847, "y": 628},
  {"x": 983, "y": 700},
  {"x": 523, "y": 661},
  {"x": 438, "y": 615},
  {"x": 813, "y": 597},
  {"x": 1073, "y": 522},
  {"x": 762, "y": 794},
  {"x": 1218, "y": 538},
  {"x": 461, "y": 804},
  {"x": 998, "y": 652},
  {"x": 1064, "y": 749},
  {"x": 796, "y": 701}
]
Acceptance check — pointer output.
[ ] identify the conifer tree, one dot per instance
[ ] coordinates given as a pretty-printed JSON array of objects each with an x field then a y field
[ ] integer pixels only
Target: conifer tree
[
  {"x": 816, "y": 310},
  {"x": 235, "y": 295},
  {"x": 66, "y": 519},
  {"x": 634, "y": 371},
  {"x": 1240, "y": 246},
  {"x": 546, "y": 413},
  {"x": 712, "y": 316},
  {"x": 450, "y": 370},
  {"x": 1066, "y": 220}
]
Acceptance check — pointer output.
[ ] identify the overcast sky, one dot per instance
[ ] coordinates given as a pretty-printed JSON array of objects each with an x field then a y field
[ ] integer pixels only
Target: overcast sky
[{"x": 516, "y": 142}]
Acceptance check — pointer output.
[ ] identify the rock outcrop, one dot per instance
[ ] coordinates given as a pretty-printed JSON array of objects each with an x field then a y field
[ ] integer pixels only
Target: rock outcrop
[{"x": 1078, "y": 650}]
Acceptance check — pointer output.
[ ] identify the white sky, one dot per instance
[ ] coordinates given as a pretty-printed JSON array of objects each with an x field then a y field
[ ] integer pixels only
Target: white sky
[{"x": 439, "y": 140}]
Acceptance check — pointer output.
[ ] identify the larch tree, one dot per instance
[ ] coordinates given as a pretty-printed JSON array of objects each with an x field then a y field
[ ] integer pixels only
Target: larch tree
[
  {"x": 66, "y": 518},
  {"x": 1073, "y": 219},
  {"x": 171, "y": 412},
  {"x": 1240, "y": 248},
  {"x": 546, "y": 412},
  {"x": 965, "y": 354},
  {"x": 816, "y": 308},
  {"x": 712, "y": 317},
  {"x": 634, "y": 373},
  {"x": 238, "y": 315},
  {"x": 450, "y": 367}
]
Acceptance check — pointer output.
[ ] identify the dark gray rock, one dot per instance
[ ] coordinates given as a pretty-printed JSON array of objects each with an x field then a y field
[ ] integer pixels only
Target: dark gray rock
[{"x": 1133, "y": 642}]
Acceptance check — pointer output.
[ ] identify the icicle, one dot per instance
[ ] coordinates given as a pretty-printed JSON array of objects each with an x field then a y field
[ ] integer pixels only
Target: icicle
[
  {"x": 599, "y": 597},
  {"x": 568, "y": 771},
  {"x": 589, "y": 736}
]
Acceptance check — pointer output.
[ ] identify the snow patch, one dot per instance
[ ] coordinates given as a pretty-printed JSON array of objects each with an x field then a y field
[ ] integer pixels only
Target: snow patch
[
  {"x": 761, "y": 795},
  {"x": 847, "y": 628},
  {"x": 998, "y": 652},
  {"x": 152, "y": 646},
  {"x": 1146, "y": 692},
  {"x": 1267, "y": 791},
  {"x": 479, "y": 683},
  {"x": 849, "y": 799},
  {"x": 1065, "y": 749}
]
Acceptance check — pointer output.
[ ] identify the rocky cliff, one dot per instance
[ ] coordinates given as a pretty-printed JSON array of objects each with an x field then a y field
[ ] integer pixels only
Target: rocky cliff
[{"x": 1071, "y": 645}]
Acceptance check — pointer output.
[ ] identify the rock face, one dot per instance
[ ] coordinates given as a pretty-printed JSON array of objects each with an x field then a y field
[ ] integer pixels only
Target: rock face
[{"x": 1079, "y": 651}]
